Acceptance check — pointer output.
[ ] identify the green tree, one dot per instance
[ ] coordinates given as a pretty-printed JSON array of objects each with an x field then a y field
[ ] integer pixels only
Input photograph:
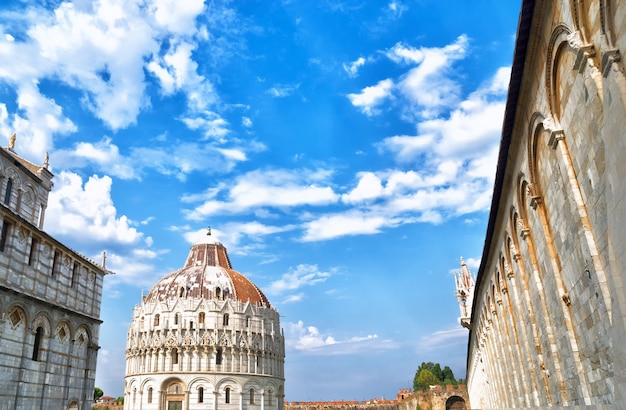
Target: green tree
[
  {"x": 426, "y": 378},
  {"x": 97, "y": 393},
  {"x": 448, "y": 376},
  {"x": 436, "y": 371},
  {"x": 445, "y": 376}
]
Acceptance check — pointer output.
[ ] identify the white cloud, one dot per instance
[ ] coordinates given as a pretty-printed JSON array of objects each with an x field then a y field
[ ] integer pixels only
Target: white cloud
[
  {"x": 429, "y": 86},
  {"x": 369, "y": 187},
  {"x": 85, "y": 211},
  {"x": 283, "y": 90},
  {"x": 370, "y": 97},
  {"x": 37, "y": 119},
  {"x": 342, "y": 224},
  {"x": 177, "y": 159},
  {"x": 298, "y": 277},
  {"x": 176, "y": 16},
  {"x": 82, "y": 214},
  {"x": 103, "y": 48},
  {"x": 265, "y": 188},
  {"x": 442, "y": 339},
  {"x": 353, "y": 68},
  {"x": 308, "y": 339}
]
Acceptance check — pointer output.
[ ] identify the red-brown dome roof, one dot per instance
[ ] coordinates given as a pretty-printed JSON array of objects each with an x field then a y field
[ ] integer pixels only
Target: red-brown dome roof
[{"x": 207, "y": 274}]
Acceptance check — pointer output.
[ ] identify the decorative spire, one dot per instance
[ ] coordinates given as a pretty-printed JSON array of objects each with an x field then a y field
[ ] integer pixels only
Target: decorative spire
[
  {"x": 46, "y": 161},
  {"x": 208, "y": 233},
  {"x": 465, "y": 293}
]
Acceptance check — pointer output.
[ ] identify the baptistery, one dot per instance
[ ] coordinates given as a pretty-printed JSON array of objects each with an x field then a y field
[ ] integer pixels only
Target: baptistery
[{"x": 205, "y": 337}]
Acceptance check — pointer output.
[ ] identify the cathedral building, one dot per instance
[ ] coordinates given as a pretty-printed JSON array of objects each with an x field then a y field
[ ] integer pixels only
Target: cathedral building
[
  {"x": 548, "y": 319},
  {"x": 50, "y": 299},
  {"x": 205, "y": 337}
]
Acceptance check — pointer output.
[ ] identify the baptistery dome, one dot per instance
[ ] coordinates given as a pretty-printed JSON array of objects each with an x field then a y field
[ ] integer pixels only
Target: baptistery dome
[
  {"x": 207, "y": 274},
  {"x": 205, "y": 337}
]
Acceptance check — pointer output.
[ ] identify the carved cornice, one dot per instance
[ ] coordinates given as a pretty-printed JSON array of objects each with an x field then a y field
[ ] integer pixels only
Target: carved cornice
[
  {"x": 583, "y": 51},
  {"x": 556, "y": 133},
  {"x": 608, "y": 58}
]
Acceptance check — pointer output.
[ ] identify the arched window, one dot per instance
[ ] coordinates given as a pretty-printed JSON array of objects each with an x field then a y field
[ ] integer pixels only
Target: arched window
[
  {"x": 56, "y": 261},
  {"x": 176, "y": 319},
  {"x": 7, "y": 192},
  {"x": 225, "y": 321},
  {"x": 251, "y": 396},
  {"x": 150, "y": 395},
  {"x": 4, "y": 235},
  {"x": 75, "y": 271},
  {"x": 37, "y": 344},
  {"x": 141, "y": 323},
  {"x": 227, "y": 395},
  {"x": 269, "y": 398},
  {"x": 201, "y": 317},
  {"x": 247, "y": 321},
  {"x": 174, "y": 356},
  {"x": 181, "y": 293},
  {"x": 218, "y": 356},
  {"x": 32, "y": 256},
  {"x": 157, "y": 318},
  {"x": 201, "y": 395}
]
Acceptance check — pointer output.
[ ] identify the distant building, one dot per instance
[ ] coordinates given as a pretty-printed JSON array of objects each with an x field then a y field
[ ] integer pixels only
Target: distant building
[
  {"x": 49, "y": 300},
  {"x": 205, "y": 337},
  {"x": 548, "y": 320}
]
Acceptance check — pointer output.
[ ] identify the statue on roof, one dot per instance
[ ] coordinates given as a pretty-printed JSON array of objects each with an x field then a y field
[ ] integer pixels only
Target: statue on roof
[{"x": 12, "y": 141}]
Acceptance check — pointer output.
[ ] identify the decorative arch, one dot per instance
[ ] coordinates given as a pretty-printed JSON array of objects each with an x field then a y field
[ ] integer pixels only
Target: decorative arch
[
  {"x": 173, "y": 392},
  {"x": 42, "y": 320},
  {"x": 557, "y": 41},
  {"x": 455, "y": 403},
  {"x": 147, "y": 382}
]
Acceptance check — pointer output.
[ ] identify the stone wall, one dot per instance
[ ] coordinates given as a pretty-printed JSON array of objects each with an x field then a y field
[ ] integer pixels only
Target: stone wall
[
  {"x": 547, "y": 327},
  {"x": 434, "y": 399}
]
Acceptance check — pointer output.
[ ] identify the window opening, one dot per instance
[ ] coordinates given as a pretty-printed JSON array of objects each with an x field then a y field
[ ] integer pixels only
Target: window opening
[
  {"x": 218, "y": 356},
  {"x": 7, "y": 192},
  {"x": 201, "y": 317},
  {"x": 4, "y": 235},
  {"x": 227, "y": 395},
  {"x": 201, "y": 395},
  {"x": 157, "y": 317},
  {"x": 55, "y": 263},
  {"x": 150, "y": 395},
  {"x": 75, "y": 276},
  {"x": 37, "y": 344},
  {"x": 225, "y": 321},
  {"x": 32, "y": 256},
  {"x": 251, "y": 396},
  {"x": 175, "y": 356}
]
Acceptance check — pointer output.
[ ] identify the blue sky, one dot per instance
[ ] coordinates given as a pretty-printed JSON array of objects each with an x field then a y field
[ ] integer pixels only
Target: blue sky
[{"x": 343, "y": 151}]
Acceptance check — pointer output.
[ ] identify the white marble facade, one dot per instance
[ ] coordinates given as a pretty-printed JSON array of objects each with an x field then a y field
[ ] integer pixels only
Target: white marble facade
[
  {"x": 50, "y": 300},
  {"x": 205, "y": 337},
  {"x": 547, "y": 324}
]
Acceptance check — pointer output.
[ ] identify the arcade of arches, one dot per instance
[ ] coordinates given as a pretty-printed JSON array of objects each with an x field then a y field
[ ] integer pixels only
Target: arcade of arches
[{"x": 547, "y": 325}]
